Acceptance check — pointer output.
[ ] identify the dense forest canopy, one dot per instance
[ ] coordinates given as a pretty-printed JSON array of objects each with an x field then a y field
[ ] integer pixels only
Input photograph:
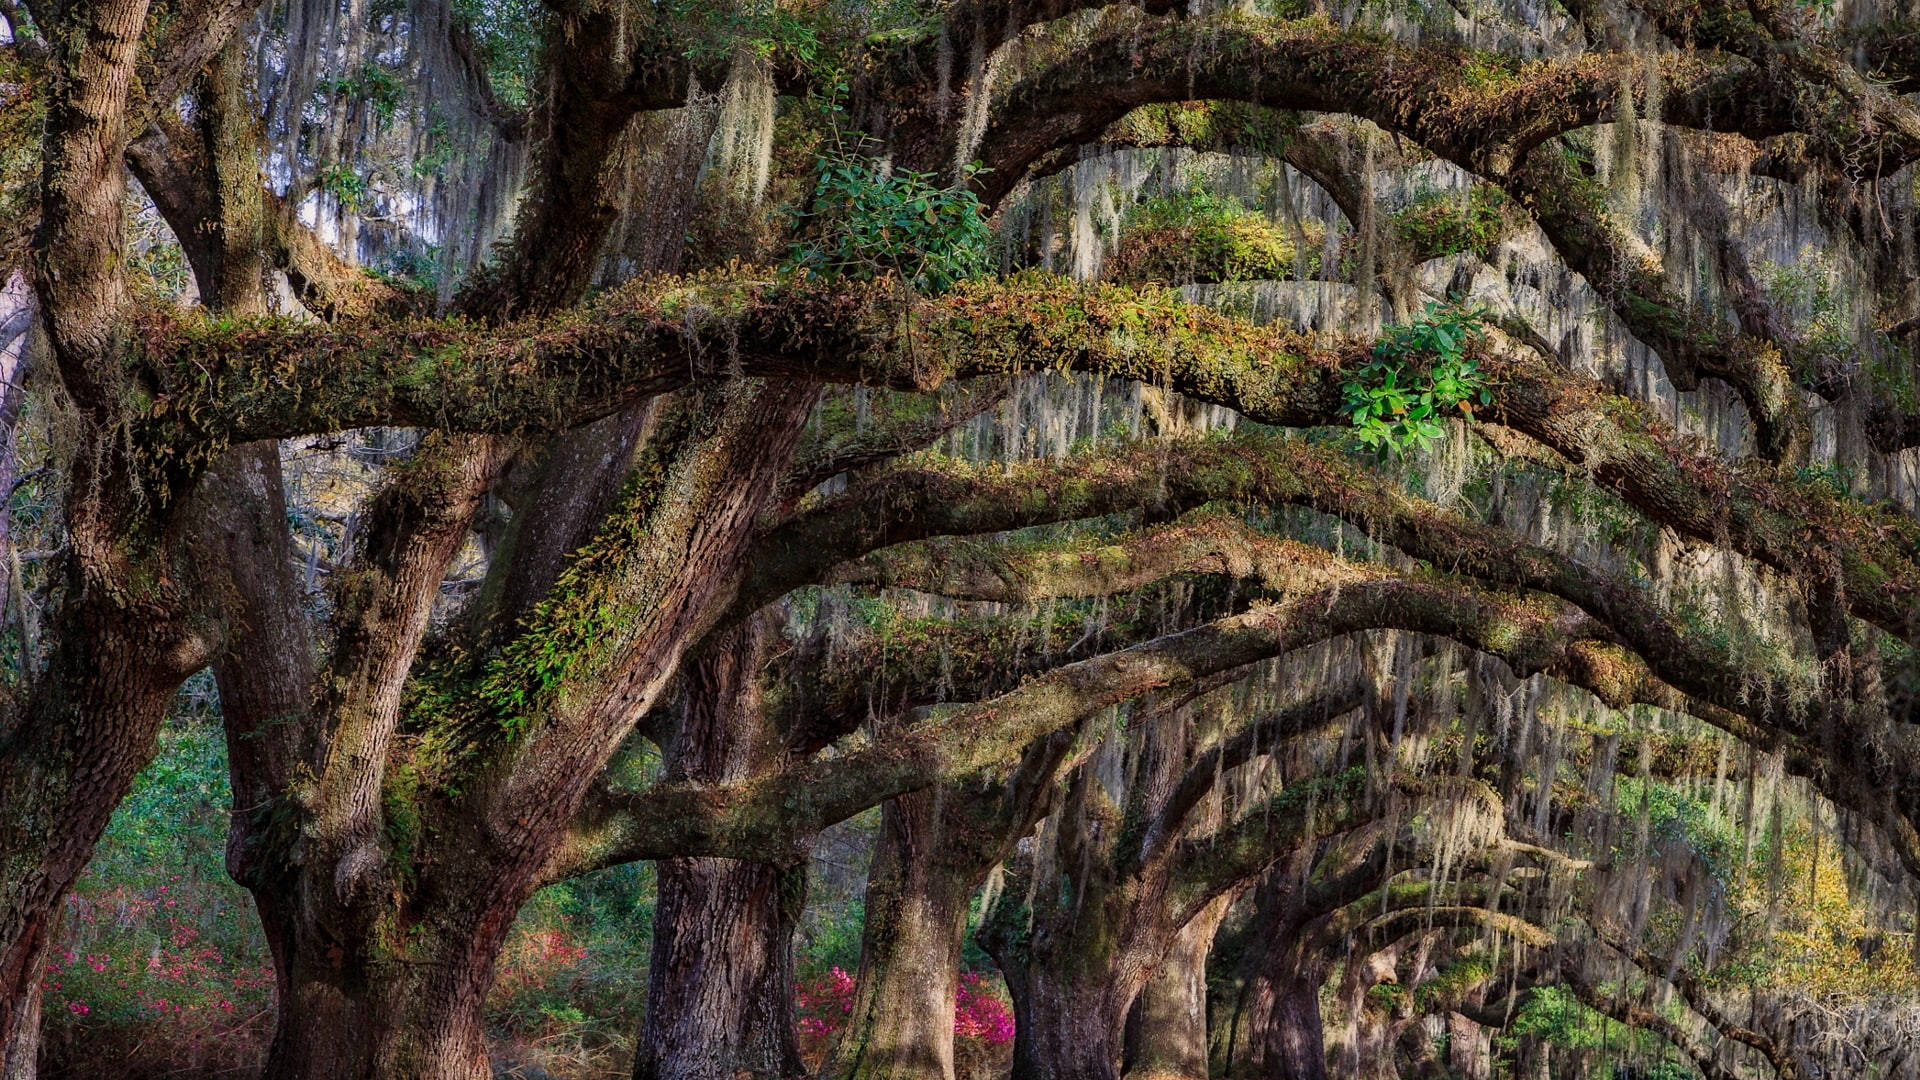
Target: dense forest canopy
[{"x": 960, "y": 537}]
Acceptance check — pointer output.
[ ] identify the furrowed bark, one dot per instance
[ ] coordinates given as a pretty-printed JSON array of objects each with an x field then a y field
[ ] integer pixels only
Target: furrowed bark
[
  {"x": 1166, "y": 1033},
  {"x": 122, "y": 642},
  {"x": 936, "y": 849},
  {"x": 377, "y": 944},
  {"x": 720, "y": 986}
]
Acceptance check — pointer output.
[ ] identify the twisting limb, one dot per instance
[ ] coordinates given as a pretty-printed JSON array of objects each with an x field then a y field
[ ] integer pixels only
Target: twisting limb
[
  {"x": 757, "y": 820},
  {"x": 1198, "y": 543},
  {"x": 1262, "y": 735},
  {"x": 244, "y": 383},
  {"x": 1758, "y": 359},
  {"x": 874, "y": 447},
  {"x": 1698, "y": 998},
  {"x": 1619, "y": 1007}
]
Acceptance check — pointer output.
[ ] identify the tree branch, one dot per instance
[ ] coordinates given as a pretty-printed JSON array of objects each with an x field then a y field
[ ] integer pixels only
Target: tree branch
[{"x": 224, "y": 383}]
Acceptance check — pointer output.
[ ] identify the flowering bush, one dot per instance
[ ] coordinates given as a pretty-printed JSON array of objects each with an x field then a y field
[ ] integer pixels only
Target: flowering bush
[
  {"x": 539, "y": 972},
  {"x": 982, "y": 1022},
  {"x": 144, "y": 983},
  {"x": 979, "y": 1013},
  {"x": 822, "y": 1006},
  {"x": 570, "y": 985}
]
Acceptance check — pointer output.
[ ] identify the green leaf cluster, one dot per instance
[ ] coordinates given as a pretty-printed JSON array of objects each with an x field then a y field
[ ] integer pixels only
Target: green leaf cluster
[
  {"x": 866, "y": 221},
  {"x": 1197, "y": 235},
  {"x": 1420, "y": 373}
]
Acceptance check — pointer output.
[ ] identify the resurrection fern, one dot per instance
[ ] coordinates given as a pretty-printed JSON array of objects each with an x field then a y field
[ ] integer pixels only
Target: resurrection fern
[{"x": 1419, "y": 373}]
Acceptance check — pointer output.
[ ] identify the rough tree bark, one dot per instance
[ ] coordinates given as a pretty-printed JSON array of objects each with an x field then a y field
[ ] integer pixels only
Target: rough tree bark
[
  {"x": 935, "y": 850},
  {"x": 720, "y": 987},
  {"x": 122, "y": 641},
  {"x": 1167, "y": 1030},
  {"x": 1285, "y": 1035}
]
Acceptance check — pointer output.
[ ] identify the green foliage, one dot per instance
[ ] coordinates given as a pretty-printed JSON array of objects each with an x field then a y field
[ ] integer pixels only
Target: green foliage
[
  {"x": 1452, "y": 983},
  {"x": 1420, "y": 372},
  {"x": 1554, "y": 1015},
  {"x": 1388, "y": 997},
  {"x": 345, "y": 183},
  {"x": 1437, "y": 223},
  {"x": 833, "y": 940},
  {"x": 1677, "y": 818},
  {"x": 1191, "y": 207},
  {"x": 506, "y": 37},
  {"x": 374, "y": 84},
  {"x": 161, "y": 961},
  {"x": 1196, "y": 235},
  {"x": 866, "y": 221},
  {"x": 1809, "y": 290}
]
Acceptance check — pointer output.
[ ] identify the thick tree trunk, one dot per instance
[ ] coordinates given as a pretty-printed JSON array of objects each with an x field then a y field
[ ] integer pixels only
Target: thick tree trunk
[
  {"x": 122, "y": 641},
  {"x": 1289, "y": 1038},
  {"x": 720, "y": 989},
  {"x": 1167, "y": 1030},
  {"x": 1076, "y": 1026},
  {"x": 17, "y": 1054},
  {"x": 416, "y": 1016},
  {"x": 88, "y": 731},
  {"x": 1286, "y": 1035},
  {"x": 20, "y": 1053},
  {"x": 935, "y": 850},
  {"x": 916, "y": 912}
]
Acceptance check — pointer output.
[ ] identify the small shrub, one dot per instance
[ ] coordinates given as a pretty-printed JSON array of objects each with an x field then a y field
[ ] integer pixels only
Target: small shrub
[
  {"x": 1199, "y": 237},
  {"x": 868, "y": 221},
  {"x": 1419, "y": 373}
]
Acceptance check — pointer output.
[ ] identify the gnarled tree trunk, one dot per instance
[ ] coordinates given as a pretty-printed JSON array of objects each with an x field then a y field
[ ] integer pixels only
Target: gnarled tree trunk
[
  {"x": 1289, "y": 1039},
  {"x": 916, "y": 912},
  {"x": 1077, "y": 1020},
  {"x": 935, "y": 850},
  {"x": 1167, "y": 1030},
  {"x": 414, "y": 1013},
  {"x": 720, "y": 987}
]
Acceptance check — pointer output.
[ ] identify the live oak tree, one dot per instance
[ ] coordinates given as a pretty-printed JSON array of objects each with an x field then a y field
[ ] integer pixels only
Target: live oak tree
[{"x": 651, "y": 458}]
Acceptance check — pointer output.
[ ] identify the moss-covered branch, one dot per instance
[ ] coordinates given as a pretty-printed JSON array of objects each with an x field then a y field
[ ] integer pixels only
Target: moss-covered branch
[
  {"x": 903, "y": 663},
  {"x": 1264, "y": 735},
  {"x": 1697, "y": 997},
  {"x": 1483, "y": 110},
  {"x": 761, "y": 820},
  {"x": 1203, "y": 867},
  {"x": 874, "y": 443},
  {"x": 235, "y": 382},
  {"x": 1759, "y": 357},
  {"x": 1199, "y": 543}
]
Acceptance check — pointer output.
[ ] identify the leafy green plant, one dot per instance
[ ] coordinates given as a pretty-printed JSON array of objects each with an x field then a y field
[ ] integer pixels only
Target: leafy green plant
[
  {"x": 865, "y": 221},
  {"x": 1440, "y": 223},
  {"x": 1420, "y": 372},
  {"x": 346, "y": 184},
  {"x": 379, "y": 87},
  {"x": 1196, "y": 235}
]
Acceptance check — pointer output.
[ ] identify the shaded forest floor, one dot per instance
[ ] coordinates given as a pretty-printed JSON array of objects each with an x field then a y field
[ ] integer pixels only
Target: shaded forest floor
[{"x": 163, "y": 971}]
